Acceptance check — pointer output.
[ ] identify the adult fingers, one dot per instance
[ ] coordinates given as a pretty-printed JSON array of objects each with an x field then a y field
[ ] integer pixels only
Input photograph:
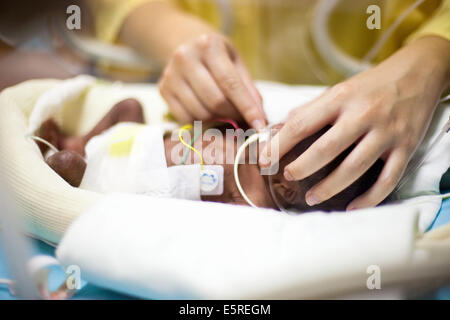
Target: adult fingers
[
  {"x": 189, "y": 100},
  {"x": 177, "y": 110},
  {"x": 306, "y": 121},
  {"x": 386, "y": 182},
  {"x": 332, "y": 143},
  {"x": 207, "y": 90},
  {"x": 353, "y": 167},
  {"x": 247, "y": 78},
  {"x": 232, "y": 85}
]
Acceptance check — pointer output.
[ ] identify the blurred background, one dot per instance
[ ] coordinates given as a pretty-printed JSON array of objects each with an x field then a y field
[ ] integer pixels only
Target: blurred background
[{"x": 274, "y": 37}]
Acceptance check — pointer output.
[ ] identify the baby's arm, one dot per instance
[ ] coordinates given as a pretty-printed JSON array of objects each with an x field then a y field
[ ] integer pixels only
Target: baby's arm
[
  {"x": 69, "y": 163},
  {"x": 129, "y": 110}
]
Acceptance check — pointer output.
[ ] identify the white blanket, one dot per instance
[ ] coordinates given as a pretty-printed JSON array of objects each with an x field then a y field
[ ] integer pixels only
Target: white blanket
[
  {"x": 179, "y": 249},
  {"x": 165, "y": 248}
]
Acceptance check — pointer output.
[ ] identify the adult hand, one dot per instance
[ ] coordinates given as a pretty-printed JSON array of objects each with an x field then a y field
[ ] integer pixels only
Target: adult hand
[
  {"x": 385, "y": 111},
  {"x": 206, "y": 78}
]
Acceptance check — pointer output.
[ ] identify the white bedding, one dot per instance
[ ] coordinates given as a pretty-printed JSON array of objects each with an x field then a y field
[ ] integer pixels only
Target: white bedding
[
  {"x": 180, "y": 249},
  {"x": 173, "y": 248}
]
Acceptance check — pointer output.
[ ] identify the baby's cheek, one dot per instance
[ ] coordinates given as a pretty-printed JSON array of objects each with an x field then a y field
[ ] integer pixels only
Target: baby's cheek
[
  {"x": 230, "y": 193},
  {"x": 213, "y": 151},
  {"x": 255, "y": 186},
  {"x": 212, "y": 157}
]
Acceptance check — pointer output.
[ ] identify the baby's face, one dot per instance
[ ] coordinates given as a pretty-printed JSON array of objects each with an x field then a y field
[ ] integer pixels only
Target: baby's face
[
  {"x": 254, "y": 184},
  {"x": 290, "y": 194}
]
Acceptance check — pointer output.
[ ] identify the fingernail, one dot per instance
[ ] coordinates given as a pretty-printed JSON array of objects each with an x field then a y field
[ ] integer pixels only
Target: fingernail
[
  {"x": 311, "y": 199},
  {"x": 263, "y": 161},
  {"x": 258, "y": 125},
  {"x": 288, "y": 176},
  {"x": 351, "y": 208}
]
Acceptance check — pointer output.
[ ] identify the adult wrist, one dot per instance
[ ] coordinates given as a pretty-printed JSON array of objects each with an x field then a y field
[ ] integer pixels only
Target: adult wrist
[{"x": 437, "y": 57}]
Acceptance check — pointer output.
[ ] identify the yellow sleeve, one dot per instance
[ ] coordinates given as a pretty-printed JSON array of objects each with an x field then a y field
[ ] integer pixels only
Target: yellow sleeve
[
  {"x": 438, "y": 24},
  {"x": 109, "y": 15}
]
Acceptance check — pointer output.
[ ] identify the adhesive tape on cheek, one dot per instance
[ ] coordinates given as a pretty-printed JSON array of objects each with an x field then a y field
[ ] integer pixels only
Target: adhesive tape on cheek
[{"x": 211, "y": 180}]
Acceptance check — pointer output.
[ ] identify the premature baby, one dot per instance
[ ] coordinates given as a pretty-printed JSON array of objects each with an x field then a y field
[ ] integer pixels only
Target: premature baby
[{"x": 71, "y": 165}]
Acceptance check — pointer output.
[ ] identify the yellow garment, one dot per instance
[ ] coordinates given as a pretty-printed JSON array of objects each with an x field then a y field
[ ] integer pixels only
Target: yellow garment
[
  {"x": 110, "y": 15},
  {"x": 273, "y": 36}
]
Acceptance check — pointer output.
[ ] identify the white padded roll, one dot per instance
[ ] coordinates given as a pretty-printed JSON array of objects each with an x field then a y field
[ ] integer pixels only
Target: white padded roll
[{"x": 48, "y": 203}]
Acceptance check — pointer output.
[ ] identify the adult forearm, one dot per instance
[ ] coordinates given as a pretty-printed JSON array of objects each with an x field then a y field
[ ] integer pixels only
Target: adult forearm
[
  {"x": 156, "y": 29},
  {"x": 431, "y": 54}
]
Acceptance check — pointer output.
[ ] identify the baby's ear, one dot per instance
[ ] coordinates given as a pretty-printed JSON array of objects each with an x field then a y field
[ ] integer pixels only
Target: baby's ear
[{"x": 286, "y": 190}]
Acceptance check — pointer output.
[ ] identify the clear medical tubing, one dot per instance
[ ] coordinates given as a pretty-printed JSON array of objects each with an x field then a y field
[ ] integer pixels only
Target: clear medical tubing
[
  {"x": 241, "y": 150},
  {"x": 372, "y": 53},
  {"x": 337, "y": 58},
  {"x": 48, "y": 144},
  {"x": 415, "y": 164},
  {"x": 263, "y": 136}
]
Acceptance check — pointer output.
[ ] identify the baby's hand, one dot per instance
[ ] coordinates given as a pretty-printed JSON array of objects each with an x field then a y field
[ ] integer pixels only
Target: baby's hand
[{"x": 69, "y": 165}]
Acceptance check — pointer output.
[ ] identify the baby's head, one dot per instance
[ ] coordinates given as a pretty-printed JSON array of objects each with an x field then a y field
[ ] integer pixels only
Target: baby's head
[{"x": 290, "y": 194}]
